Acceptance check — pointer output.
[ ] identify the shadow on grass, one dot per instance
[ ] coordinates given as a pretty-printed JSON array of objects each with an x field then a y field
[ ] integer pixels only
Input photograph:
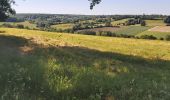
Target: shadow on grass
[{"x": 77, "y": 73}]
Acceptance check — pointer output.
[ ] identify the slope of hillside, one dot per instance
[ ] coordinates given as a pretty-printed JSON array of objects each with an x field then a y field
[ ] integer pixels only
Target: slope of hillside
[
  {"x": 158, "y": 31},
  {"x": 44, "y": 65}
]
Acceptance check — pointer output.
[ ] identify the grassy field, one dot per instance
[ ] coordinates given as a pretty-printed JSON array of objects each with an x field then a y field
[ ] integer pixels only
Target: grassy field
[
  {"x": 128, "y": 30},
  {"x": 63, "y": 26},
  {"x": 38, "y": 65},
  {"x": 132, "y": 30},
  {"x": 155, "y": 23},
  {"x": 156, "y": 34},
  {"x": 119, "y": 21},
  {"x": 160, "y": 29},
  {"x": 26, "y": 24}
]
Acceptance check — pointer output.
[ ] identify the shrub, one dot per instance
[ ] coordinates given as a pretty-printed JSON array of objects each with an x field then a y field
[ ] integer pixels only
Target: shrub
[
  {"x": 143, "y": 23},
  {"x": 167, "y": 21},
  {"x": 27, "y": 28},
  {"x": 8, "y": 25},
  {"x": 99, "y": 33},
  {"x": 20, "y": 26},
  {"x": 161, "y": 38},
  {"x": 150, "y": 37},
  {"x": 87, "y": 32},
  {"x": 2, "y": 31},
  {"x": 168, "y": 38}
]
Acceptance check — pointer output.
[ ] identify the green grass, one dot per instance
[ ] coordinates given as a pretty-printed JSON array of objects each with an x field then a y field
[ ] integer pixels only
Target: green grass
[
  {"x": 38, "y": 65},
  {"x": 119, "y": 21},
  {"x": 132, "y": 30},
  {"x": 26, "y": 24},
  {"x": 63, "y": 26},
  {"x": 128, "y": 30},
  {"x": 156, "y": 34},
  {"x": 155, "y": 23}
]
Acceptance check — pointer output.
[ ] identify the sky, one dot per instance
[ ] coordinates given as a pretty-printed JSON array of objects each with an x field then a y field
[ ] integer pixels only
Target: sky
[{"x": 106, "y": 7}]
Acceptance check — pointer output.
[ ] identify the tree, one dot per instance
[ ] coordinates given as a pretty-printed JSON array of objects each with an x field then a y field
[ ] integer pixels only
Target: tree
[
  {"x": 93, "y": 3},
  {"x": 5, "y": 9},
  {"x": 143, "y": 23},
  {"x": 167, "y": 20}
]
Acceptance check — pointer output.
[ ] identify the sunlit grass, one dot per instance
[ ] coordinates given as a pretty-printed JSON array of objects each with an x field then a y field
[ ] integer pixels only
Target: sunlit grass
[
  {"x": 156, "y": 34},
  {"x": 63, "y": 26},
  {"x": 41, "y": 65},
  {"x": 119, "y": 21},
  {"x": 155, "y": 23}
]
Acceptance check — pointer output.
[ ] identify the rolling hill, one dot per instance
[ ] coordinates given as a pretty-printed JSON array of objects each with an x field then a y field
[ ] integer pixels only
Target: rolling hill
[{"x": 47, "y": 65}]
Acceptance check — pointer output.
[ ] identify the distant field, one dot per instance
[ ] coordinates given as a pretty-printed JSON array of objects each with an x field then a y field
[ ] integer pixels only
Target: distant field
[
  {"x": 63, "y": 26},
  {"x": 119, "y": 21},
  {"x": 160, "y": 29},
  {"x": 111, "y": 29},
  {"x": 132, "y": 30},
  {"x": 129, "y": 30},
  {"x": 1, "y": 23},
  {"x": 38, "y": 65},
  {"x": 26, "y": 24},
  {"x": 155, "y": 23},
  {"x": 156, "y": 34}
]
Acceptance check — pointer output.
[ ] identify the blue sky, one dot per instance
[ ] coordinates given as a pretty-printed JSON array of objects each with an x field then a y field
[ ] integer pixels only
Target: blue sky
[{"x": 82, "y": 7}]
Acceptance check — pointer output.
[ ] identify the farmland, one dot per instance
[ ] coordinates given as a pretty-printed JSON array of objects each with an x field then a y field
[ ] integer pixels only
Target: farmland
[
  {"x": 132, "y": 30},
  {"x": 156, "y": 34},
  {"x": 25, "y": 24},
  {"x": 160, "y": 29},
  {"x": 155, "y": 23},
  {"x": 63, "y": 26},
  {"x": 119, "y": 22},
  {"x": 49, "y": 65},
  {"x": 127, "y": 30}
]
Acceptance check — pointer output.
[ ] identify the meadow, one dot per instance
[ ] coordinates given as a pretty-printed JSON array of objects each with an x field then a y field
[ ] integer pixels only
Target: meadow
[
  {"x": 25, "y": 24},
  {"x": 132, "y": 30},
  {"x": 157, "y": 31},
  {"x": 114, "y": 23},
  {"x": 41, "y": 65},
  {"x": 155, "y": 23},
  {"x": 63, "y": 26},
  {"x": 127, "y": 30},
  {"x": 159, "y": 35}
]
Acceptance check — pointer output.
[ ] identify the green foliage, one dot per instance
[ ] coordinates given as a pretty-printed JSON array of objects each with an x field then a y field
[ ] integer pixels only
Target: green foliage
[
  {"x": 93, "y": 3},
  {"x": 87, "y": 33},
  {"x": 167, "y": 20},
  {"x": 20, "y": 26},
  {"x": 167, "y": 37},
  {"x": 5, "y": 9},
  {"x": 143, "y": 23},
  {"x": 151, "y": 37}
]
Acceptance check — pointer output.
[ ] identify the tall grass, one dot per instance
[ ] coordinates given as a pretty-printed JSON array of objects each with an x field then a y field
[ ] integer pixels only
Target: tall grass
[{"x": 52, "y": 66}]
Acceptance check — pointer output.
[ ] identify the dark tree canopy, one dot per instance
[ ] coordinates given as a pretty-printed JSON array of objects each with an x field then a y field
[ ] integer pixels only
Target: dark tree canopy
[
  {"x": 167, "y": 20},
  {"x": 93, "y": 3},
  {"x": 5, "y": 9}
]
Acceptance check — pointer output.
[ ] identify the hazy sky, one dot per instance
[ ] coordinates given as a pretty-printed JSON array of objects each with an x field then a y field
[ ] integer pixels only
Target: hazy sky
[{"x": 82, "y": 7}]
